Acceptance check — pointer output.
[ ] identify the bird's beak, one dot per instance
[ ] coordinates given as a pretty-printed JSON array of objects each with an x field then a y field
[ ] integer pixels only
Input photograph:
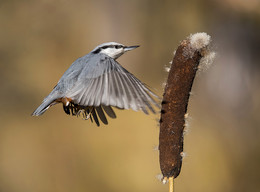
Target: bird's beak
[{"x": 129, "y": 48}]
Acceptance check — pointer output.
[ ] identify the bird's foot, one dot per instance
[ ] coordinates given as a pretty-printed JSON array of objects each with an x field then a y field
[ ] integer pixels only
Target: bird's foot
[{"x": 80, "y": 111}]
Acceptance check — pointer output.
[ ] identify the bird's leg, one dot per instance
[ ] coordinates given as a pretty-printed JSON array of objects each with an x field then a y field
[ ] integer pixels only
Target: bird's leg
[
  {"x": 88, "y": 112},
  {"x": 79, "y": 112},
  {"x": 65, "y": 100}
]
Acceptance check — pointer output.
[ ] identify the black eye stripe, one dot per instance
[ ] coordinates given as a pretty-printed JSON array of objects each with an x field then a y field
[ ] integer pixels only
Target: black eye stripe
[
  {"x": 108, "y": 46},
  {"x": 97, "y": 51}
]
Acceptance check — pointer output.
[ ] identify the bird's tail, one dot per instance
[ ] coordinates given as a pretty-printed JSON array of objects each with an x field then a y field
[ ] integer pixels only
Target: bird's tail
[{"x": 47, "y": 102}]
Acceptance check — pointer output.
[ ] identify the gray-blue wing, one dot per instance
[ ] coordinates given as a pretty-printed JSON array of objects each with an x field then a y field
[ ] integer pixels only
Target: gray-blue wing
[{"x": 107, "y": 83}]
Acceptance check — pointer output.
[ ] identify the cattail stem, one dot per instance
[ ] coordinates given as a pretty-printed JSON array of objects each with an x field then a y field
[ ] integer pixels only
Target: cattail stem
[
  {"x": 175, "y": 101},
  {"x": 171, "y": 184}
]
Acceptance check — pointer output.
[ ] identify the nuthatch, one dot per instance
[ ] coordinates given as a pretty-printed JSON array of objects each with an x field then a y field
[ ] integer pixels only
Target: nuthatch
[{"x": 96, "y": 82}]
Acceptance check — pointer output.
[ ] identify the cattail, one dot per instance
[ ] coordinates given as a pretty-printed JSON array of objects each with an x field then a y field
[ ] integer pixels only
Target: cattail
[{"x": 184, "y": 66}]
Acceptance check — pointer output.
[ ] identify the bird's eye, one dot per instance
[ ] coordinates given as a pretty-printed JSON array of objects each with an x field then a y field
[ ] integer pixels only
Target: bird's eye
[{"x": 118, "y": 46}]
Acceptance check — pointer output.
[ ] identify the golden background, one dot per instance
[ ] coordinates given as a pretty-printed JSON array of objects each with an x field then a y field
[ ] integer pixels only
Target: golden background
[{"x": 59, "y": 153}]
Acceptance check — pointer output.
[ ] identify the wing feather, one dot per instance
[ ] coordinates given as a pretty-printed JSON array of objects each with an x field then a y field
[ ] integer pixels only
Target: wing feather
[
  {"x": 101, "y": 115},
  {"x": 145, "y": 97},
  {"x": 147, "y": 91},
  {"x": 105, "y": 97},
  {"x": 136, "y": 100},
  {"x": 90, "y": 96},
  {"x": 112, "y": 90},
  {"x": 97, "y": 95},
  {"x": 84, "y": 95},
  {"x": 109, "y": 111},
  {"x": 123, "y": 96},
  {"x": 115, "y": 86},
  {"x": 94, "y": 114}
]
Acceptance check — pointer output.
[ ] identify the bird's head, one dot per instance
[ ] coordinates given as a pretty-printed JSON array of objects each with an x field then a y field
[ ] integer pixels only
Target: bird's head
[{"x": 113, "y": 49}]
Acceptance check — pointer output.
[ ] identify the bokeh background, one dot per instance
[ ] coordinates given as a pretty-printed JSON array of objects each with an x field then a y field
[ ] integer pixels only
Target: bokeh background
[{"x": 59, "y": 153}]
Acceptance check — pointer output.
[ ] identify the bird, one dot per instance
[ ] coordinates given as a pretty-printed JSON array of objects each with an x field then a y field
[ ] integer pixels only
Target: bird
[{"x": 96, "y": 82}]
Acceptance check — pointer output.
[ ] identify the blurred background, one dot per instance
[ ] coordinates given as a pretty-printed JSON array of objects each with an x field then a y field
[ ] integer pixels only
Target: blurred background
[{"x": 59, "y": 153}]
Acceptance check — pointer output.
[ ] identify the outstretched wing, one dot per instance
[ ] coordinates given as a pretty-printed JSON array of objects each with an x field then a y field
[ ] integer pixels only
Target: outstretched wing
[{"x": 107, "y": 83}]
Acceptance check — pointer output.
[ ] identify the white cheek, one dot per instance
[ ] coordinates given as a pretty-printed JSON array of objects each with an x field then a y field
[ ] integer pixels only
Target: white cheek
[{"x": 112, "y": 52}]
